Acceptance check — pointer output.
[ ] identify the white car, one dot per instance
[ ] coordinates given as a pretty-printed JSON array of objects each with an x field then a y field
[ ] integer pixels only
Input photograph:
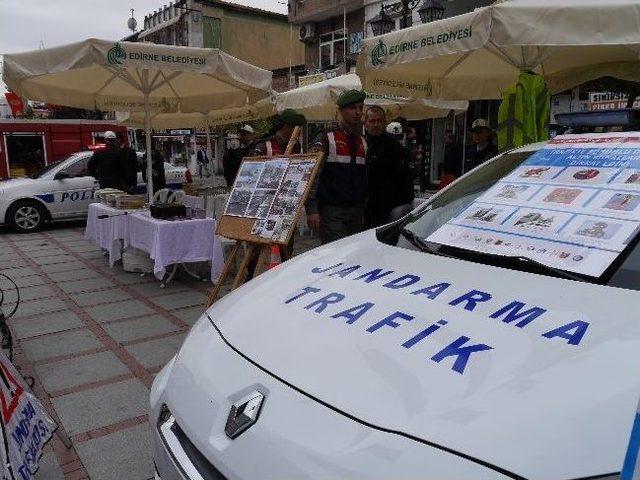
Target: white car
[
  {"x": 61, "y": 191},
  {"x": 388, "y": 355}
]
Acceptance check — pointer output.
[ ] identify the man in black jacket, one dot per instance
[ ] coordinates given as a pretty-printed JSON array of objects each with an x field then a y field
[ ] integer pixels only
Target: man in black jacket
[
  {"x": 388, "y": 170},
  {"x": 110, "y": 166},
  {"x": 157, "y": 170}
]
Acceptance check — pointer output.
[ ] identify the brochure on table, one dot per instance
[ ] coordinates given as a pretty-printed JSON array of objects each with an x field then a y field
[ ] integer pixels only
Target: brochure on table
[
  {"x": 573, "y": 205},
  {"x": 269, "y": 192}
]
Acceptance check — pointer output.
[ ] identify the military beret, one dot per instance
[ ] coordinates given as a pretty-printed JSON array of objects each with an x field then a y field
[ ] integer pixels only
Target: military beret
[
  {"x": 350, "y": 97},
  {"x": 291, "y": 117}
]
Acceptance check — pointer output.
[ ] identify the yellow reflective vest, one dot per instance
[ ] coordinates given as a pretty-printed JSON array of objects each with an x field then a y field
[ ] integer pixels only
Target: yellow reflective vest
[{"x": 523, "y": 116}]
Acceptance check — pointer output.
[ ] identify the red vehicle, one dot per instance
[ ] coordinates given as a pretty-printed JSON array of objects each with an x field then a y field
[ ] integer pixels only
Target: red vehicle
[{"x": 28, "y": 145}]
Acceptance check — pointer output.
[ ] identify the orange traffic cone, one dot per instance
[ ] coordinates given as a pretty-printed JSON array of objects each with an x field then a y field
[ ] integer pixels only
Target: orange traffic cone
[{"x": 274, "y": 258}]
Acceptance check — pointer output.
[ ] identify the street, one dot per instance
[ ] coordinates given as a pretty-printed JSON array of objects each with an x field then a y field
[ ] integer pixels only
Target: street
[{"x": 93, "y": 338}]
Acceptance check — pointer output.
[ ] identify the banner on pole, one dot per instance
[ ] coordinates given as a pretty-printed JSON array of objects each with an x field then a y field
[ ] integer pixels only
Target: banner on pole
[{"x": 25, "y": 423}]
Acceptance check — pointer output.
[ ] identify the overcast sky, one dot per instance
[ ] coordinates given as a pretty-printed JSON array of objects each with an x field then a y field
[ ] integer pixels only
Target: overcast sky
[{"x": 25, "y": 23}]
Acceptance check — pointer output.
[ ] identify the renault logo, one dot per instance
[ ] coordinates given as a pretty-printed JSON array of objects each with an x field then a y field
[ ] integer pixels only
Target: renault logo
[{"x": 243, "y": 414}]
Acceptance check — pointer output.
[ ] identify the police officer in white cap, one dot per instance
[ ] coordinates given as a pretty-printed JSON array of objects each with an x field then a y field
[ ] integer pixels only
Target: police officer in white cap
[{"x": 482, "y": 148}]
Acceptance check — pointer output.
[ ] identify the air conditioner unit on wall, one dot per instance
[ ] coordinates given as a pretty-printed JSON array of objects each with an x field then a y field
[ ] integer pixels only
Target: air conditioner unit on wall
[{"x": 307, "y": 31}]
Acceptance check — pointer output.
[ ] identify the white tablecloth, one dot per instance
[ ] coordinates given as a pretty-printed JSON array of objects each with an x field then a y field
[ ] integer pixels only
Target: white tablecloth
[
  {"x": 107, "y": 232},
  {"x": 178, "y": 241}
]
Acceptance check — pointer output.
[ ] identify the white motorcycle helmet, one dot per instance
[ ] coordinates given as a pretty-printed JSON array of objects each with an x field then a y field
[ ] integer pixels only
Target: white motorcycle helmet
[{"x": 395, "y": 128}]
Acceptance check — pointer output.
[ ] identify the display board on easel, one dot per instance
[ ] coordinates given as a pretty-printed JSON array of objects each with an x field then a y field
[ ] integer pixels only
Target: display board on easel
[
  {"x": 263, "y": 208},
  {"x": 267, "y": 198}
]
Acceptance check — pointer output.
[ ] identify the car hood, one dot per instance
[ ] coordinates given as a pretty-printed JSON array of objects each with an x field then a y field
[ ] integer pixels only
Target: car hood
[{"x": 539, "y": 376}]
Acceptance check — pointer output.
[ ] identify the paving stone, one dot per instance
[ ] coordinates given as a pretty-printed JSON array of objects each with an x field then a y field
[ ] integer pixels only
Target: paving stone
[
  {"x": 156, "y": 352},
  {"x": 152, "y": 289},
  {"x": 54, "y": 322},
  {"x": 30, "y": 281},
  {"x": 126, "y": 454},
  {"x": 101, "y": 406},
  {"x": 35, "y": 292},
  {"x": 130, "y": 278},
  {"x": 34, "y": 245},
  {"x": 49, "y": 468},
  {"x": 86, "y": 285},
  {"x": 13, "y": 262},
  {"x": 56, "y": 344},
  {"x": 93, "y": 255},
  {"x": 78, "y": 274},
  {"x": 90, "y": 299},
  {"x": 49, "y": 260},
  {"x": 189, "y": 315},
  {"x": 138, "y": 328},
  {"x": 103, "y": 261},
  {"x": 77, "y": 371},
  {"x": 19, "y": 272},
  {"x": 35, "y": 307},
  {"x": 48, "y": 252},
  {"x": 126, "y": 309},
  {"x": 62, "y": 267},
  {"x": 84, "y": 247},
  {"x": 180, "y": 300}
]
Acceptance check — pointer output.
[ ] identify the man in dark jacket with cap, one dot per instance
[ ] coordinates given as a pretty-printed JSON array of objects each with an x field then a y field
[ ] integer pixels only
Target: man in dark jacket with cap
[
  {"x": 336, "y": 203},
  {"x": 276, "y": 142}
]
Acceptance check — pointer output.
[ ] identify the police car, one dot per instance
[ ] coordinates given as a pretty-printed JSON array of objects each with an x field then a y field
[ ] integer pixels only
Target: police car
[
  {"x": 61, "y": 191},
  {"x": 492, "y": 333}
]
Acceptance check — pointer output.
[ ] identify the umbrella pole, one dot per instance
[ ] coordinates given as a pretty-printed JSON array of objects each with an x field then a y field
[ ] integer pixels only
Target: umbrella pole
[
  {"x": 464, "y": 142},
  {"x": 147, "y": 128},
  {"x": 209, "y": 145}
]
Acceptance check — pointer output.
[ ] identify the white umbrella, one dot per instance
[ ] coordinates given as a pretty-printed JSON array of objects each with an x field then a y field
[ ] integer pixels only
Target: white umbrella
[
  {"x": 480, "y": 54},
  {"x": 161, "y": 121},
  {"x": 164, "y": 120},
  {"x": 145, "y": 77},
  {"x": 317, "y": 101}
]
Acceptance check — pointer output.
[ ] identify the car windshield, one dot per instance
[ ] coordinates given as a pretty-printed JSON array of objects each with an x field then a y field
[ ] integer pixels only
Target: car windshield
[
  {"x": 51, "y": 166},
  {"x": 432, "y": 229}
]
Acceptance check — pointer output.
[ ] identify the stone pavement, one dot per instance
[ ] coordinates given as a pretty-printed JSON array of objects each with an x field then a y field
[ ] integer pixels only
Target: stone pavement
[{"x": 93, "y": 338}]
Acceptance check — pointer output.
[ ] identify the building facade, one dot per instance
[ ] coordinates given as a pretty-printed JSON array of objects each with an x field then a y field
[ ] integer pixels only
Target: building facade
[
  {"x": 333, "y": 33},
  {"x": 259, "y": 37}
]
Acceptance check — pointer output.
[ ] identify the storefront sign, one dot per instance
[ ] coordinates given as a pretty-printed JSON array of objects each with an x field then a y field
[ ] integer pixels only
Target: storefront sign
[
  {"x": 310, "y": 79},
  {"x": 26, "y": 425},
  {"x": 573, "y": 205},
  {"x": 610, "y": 101}
]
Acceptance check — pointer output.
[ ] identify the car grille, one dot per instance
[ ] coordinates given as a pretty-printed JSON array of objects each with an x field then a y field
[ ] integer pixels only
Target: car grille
[{"x": 186, "y": 456}]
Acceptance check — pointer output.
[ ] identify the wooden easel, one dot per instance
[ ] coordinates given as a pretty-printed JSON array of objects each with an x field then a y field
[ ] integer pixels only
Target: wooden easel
[{"x": 240, "y": 228}]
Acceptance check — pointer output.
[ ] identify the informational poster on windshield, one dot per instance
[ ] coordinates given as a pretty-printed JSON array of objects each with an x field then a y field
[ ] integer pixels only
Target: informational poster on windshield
[{"x": 573, "y": 205}]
